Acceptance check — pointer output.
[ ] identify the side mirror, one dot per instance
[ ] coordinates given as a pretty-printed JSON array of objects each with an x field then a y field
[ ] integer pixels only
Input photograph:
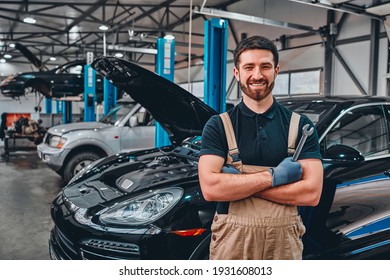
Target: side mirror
[
  {"x": 133, "y": 121},
  {"x": 343, "y": 156}
]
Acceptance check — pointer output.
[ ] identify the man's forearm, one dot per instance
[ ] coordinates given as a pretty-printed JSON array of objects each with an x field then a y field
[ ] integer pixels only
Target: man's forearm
[{"x": 305, "y": 192}]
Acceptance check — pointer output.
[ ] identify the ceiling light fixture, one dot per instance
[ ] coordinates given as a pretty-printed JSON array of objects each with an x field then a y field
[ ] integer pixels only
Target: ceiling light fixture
[
  {"x": 29, "y": 19},
  {"x": 8, "y": 56},
  {"x": 119, "y": 55},
  {"x": 103, "y": 27},
  {"x": 12, "y": 45},
  {"x": 3, "y": 60},
  {"x": 169, "y": 37},
  {"x": 53, "y": 58}
]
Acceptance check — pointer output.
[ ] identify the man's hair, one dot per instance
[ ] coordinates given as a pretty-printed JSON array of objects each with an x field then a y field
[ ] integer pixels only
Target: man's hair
[{"x": 255, "y": 43}]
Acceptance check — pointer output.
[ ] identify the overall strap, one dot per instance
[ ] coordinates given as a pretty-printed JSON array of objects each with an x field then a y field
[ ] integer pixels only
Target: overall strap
[
  {"x": 234, "y": 154},
  {"x": 293, "y": 133}
]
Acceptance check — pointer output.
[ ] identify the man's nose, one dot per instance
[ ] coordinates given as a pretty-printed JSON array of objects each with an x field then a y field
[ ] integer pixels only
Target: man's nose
[{"x": 257, "y": 73}]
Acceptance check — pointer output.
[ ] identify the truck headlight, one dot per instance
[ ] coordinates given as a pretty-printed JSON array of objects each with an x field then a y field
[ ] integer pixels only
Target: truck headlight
[
  {"x": 57, "y": 141},
  {"x": 142, "y": 209}
]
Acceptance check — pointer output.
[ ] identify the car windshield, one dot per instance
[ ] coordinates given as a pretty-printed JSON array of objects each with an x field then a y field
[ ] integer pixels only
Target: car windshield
[
  {"x": 313, "y": 110},
  {"x": 116, "y": 114}
]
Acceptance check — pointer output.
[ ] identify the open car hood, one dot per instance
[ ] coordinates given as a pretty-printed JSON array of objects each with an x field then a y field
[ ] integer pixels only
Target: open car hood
[
  {"x": 179, "y": 112},
  {"x": 30, "y": 56}
]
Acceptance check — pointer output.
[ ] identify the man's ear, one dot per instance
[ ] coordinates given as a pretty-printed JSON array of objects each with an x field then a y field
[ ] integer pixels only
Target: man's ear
[
  {"x": 277, "y": 70},
  {"x": 236, "y": 74}
]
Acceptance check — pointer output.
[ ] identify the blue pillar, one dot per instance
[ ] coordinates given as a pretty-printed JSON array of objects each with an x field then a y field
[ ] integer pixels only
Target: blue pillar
[
  {"x": 89, "y": 93},
  {"x": 67, "y": 112},
  {"x": 109, "y": 96},
  {"x": 215, "y": 59},
  {"x": 48, "y": 106},
  {"x": 58, "y": 107},
  {"x": 165, "y": 67}
]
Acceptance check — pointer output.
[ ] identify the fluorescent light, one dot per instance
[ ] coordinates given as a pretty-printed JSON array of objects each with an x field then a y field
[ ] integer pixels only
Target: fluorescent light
[
  {"x": 7, "y": 56},
  {"x": 103, "y": 27},
  {"x": 131, "y": 49},
  {"x": 3, "y": 60},
  {"x": 12, "y": 45},
  {"x": 119, "y": 55},
  {"x": 52, "y": 58},
  {"x": 29, "y": 20}
]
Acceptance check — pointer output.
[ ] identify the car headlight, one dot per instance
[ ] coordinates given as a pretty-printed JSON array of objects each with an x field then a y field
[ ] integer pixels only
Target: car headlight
[
  {"x": 57, "y": 141},
  {"x": 142, "y": 209}
]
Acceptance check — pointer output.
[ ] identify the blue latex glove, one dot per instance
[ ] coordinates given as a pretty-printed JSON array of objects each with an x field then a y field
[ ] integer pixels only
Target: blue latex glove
[
  {"x": 229, "y": 169},
  {"x": 286, "y": 172}
]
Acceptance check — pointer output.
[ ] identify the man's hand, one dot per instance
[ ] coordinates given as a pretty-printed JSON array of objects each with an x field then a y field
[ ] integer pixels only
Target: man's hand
[{"x": 286, "y": 172}]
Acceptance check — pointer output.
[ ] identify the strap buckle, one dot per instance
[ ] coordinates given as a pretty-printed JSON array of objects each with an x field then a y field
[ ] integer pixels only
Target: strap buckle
[{"x": 234, "y": 154}]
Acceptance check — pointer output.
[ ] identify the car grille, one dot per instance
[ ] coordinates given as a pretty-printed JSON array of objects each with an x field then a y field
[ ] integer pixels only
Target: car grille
[
  {"x": 65, "y": 247},
  {"x": 93, "y": 249},
  {"x": 104, "y": 249}
]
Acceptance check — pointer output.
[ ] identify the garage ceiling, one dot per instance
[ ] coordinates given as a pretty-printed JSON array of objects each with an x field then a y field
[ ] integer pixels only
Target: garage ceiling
[{"x": 68, "y": 29}]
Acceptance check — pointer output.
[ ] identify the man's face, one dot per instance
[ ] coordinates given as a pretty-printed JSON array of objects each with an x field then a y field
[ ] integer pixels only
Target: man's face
[{"x": 256, "y": 73}]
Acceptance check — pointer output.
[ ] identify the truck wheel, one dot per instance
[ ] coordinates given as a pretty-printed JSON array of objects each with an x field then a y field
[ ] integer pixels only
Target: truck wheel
[{"x": 78, "y": 162}]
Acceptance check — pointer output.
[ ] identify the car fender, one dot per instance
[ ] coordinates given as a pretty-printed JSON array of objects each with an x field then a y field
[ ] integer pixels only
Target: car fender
[{"x": 92, "y": 138}]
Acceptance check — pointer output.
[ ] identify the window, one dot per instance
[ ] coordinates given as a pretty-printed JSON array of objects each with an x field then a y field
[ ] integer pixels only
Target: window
[
  {"x": 302, "y": 82},
  {"x": 364, "y": 129}
]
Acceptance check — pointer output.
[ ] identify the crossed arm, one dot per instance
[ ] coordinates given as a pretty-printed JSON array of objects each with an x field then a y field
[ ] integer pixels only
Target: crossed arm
[{"x": 217, "y": 186}]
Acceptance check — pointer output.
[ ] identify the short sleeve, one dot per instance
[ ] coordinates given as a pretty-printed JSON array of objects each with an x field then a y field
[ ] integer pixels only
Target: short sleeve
[{"x": 213, "y": 138}]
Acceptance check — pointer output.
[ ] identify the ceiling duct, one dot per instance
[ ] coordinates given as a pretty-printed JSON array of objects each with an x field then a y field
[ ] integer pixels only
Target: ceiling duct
[{"x": 252, "y": 19}]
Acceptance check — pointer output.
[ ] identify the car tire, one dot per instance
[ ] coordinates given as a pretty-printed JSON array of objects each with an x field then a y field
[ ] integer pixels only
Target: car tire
[{"x": 78, "y": 162}]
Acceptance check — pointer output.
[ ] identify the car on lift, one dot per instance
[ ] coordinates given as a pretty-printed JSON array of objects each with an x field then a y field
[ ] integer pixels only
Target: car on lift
[
  {"x": 148, "y": 204},
  {"x": 68, "y": 148},
  {"x": 64, "y": 81}
]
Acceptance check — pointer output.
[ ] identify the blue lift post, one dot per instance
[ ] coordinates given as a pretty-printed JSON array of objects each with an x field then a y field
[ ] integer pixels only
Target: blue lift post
[
  {"x": 215, "y": 59},
  {"x": 89, "y": 90},
  {"x": 67, "y": 112},
  {"x": 58, "y": 107},
  {"x": 165, "y": 67},
  {"x": 48, "y": 106},
  {"x": 110, "y": 94}
]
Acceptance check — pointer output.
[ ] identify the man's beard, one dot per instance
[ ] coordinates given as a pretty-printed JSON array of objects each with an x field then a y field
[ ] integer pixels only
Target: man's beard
[{"x": 257, "y": 94}]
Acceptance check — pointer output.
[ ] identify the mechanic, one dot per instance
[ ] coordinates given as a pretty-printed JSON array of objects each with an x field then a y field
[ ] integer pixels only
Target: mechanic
[{"x": 257, "y": 215}]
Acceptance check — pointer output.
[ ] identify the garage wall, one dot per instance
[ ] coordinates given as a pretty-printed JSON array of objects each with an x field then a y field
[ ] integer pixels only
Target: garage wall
[
  {"x": 12, "y": 68},
  {"x": 356, "y": 54}
]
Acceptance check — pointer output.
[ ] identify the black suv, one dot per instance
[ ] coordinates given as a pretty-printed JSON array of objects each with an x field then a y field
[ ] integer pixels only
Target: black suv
[
  {"x": 148, "y": 204},
  {"x": 66, "y": 80}
]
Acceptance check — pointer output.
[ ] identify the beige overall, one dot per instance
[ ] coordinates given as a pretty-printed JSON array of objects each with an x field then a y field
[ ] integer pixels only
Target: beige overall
[{"x": 255, "y": 228}]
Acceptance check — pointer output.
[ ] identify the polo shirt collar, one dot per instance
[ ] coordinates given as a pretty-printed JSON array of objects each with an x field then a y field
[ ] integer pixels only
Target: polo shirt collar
[{"x": 269, "y": 114}]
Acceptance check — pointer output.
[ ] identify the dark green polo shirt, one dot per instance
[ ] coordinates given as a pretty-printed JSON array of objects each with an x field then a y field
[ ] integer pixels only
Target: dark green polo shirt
[{"x": 262, "y": 139}]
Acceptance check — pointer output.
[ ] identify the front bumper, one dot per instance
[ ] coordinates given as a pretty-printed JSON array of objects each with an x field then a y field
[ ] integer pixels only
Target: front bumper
[
  {"x": 53, "y": 157},
  {"x": 71, "y": 240},
  {"x": 62, "y": 248}
]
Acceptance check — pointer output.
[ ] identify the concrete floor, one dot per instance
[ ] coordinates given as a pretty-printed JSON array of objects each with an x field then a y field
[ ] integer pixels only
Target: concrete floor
[{"x": 27, "y": 188}]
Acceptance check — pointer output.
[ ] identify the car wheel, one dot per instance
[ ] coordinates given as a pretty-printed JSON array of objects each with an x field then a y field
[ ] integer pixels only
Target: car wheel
[{"x": 78, "y": 162}]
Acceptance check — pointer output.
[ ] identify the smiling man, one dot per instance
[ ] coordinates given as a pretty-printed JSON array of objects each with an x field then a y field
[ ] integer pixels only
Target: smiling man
[{"x": 245, "y": 165}]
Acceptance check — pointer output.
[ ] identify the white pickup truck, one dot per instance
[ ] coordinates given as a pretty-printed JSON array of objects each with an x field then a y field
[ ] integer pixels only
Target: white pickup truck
[{"x": 70, "y": 147}]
